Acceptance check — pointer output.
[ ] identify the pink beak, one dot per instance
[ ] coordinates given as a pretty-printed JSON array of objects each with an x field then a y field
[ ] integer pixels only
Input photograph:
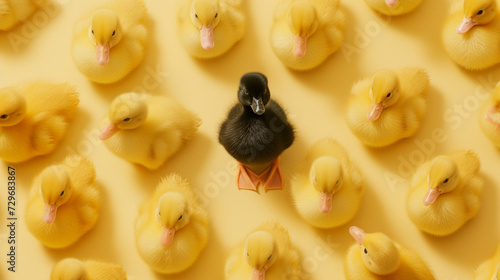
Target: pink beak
[
  {"x": 489, "y": 115},
  {"x": 49, "y": 213},
  {"x": 358, "y": 234},
  {"x": 299, "y": 46},
  {"x": 391, "y": 3},
  {"x": 258, "y": 274},
  {"x": 102, "y": 54},
  {"x": 431, "y": 196},
  {"x": 465, "y": 26},
  {"x": 108, "y": 131},
  {"x": 375, "y": 111},
  {"x": 207, "y": 37},
  {"x": 325, "y": 202},
  {"x": 167, "y": 237}
]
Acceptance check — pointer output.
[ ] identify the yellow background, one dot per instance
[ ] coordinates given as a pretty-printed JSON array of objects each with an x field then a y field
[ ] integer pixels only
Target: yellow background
[{"x": 315, "y": 102}]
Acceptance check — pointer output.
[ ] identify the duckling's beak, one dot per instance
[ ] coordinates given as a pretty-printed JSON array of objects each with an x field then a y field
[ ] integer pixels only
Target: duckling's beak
[
  {"x": 358, "y": 234},
  {"x": 325, "y": 202},
  {"x": 207, "y": 37},
  {"x": 258, "y": 274},
  {"x": 493, "y": 115},
  {"x": 108, "y": 131},
  {"x": 299, "y": 46},
  {"x": 102, "y": 54},
  {"x": 375, "y": 111},
  {"x": 391, "y": 3},
  {"x": 49, "y": 213},
  {"x": 167, "y": 236},
  {"x": 466, "y": 25},
  {"x": 258, "y": 106},
  {"x": 431, "y": 196}
]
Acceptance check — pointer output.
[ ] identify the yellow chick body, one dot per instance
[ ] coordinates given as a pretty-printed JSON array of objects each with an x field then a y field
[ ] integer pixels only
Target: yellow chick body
[
  {"x": 172, "y": 227},
  {"x": 12, "y": 12},
  {"x": 74, "y": 269},
  {"x": 267, "y": 253},
  {"x": 376, "y": 257},
  {"x": 110, "y": 42},
  {"x": 34, "y": 118},
  {"x": 210, "y": 28},
  {"x": 393, "y": 7},
  {"x": 445, "y": 193},
  {"x": 306, "y": 32},
  {"x": 64, "y": 203},
  {"x": 489, "y": 118},
  {"x": 490, "y": 269},
  {"x": 471, "y": 34},
  {"x": 388, "y": 107},
  {"x": 147, "y": 129},
  {"x": 328, "y": 188}
]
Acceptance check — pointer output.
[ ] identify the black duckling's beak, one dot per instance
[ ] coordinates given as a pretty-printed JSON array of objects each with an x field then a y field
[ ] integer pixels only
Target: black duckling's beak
[{"x": 258, "y": 106}]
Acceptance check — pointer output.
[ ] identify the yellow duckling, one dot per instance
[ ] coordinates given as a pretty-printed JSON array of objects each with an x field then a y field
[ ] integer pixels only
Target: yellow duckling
[
  {"x": 64, "y": 202},
  {"x": 110, "y": 42},
  {"x": 172, "y": 227},
  {"x": 445, "y": 193},
  {"x": 209, "y": 28},
  {"x": 267, "y": 253},
  {"x": 490, "y": 269},
  {"x": 147, "y": 129},
  {"x": 377, "y": 257},
  {"x": 470, "y": 34},
  {"x": 34, "y": 118},
  {"x": 393, "y": 7},
  {"x": 306, "y": 32},
  {"x": 490, "y": 118},
  {"x": 12, "y": 12},
  {"x": 73, "y": 269},
  {"x": 388, "y": 107},
  {"x": 327, "y": 191}
]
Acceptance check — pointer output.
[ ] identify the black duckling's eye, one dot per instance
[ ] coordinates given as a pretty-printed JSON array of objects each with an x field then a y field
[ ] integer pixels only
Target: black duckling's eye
[
  {"x": 365, "y": 251},
  {"x": 114, "y": 32},
  {"x": 4, "y": 116},
  {"x": 126, "y": 120},
  {"x": 216, "y": 15},
  {"x": 196, "y": 15},
  {"x": 180, "y": 218},
  {"x": 389, "y": 94},
  {"x": 248, "y": 255},
  {"x": 92, "y": 31},
  {"x": 480, "y": 12},
  {"x": 270, "y": 257},
  {"x": 159, "y": 214},
  {"x": 446, "y": 181},
  {"x": 62, "y": 193}
]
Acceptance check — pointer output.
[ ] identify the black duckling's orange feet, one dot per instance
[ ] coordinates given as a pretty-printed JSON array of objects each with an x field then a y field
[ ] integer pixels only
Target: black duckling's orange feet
[{"x": 270, "y": 179}]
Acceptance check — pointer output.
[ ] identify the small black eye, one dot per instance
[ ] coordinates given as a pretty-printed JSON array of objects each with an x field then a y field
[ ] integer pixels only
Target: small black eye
[
  {"x": 446, "y": 181},
  {"x": 114, "y": 32},
  {"x": 126, "y": 120},
  {"x": 270, "y": 257},
  {"x": 4, "y": 116},
  {"x": 159, "y": 214},
  {"x": 365, "y": 251},
  {"x": 216, "y": 15},
  {"x": 62, "y": 193},
  {"x": 196, "y": 15},
  {"x": 248, "y": 255},
  {"x": 389, "y": 95},
  {"x": 92, "y": 31},
  {"x": 480, "y": 12},
  {"x": 180, "y": 218}
]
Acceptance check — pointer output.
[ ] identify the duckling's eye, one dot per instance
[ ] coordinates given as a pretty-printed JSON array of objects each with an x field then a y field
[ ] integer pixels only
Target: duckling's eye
[
  {"x": 389, "y": 95},
  {"x": 114, "y": 32},
  {"x": 4, "y": 116},
  {"x": 62, "y": 193},
  {"x": 180, "y": 218},
  {"x": 216, "y": 14},
  {"x": 480, "y": 12},
  {"x": 446, "y": 181},
  {"x": 365, "y": 251},
  {"x": 196, "y": 15},
  {"x": 126, "y": 120},
  {"x": 270, "y": 257},
  {"x": 337, "y": 182},
  {"x": 92, "y": 31}
]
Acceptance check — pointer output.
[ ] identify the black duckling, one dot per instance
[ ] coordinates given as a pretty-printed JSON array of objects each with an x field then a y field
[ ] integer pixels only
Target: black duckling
[{"x": 256, "y": 132}]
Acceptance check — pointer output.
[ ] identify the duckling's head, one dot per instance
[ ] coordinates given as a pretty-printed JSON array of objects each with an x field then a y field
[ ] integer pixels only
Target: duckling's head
[
  {"x": 254, "y": 92},
  {"x": 442, "y": 178},
  {"x": 127, "y": 111},
  {"x": 172, "y": 213},
  {"x": 383, "y": 92},
  {"x": 261, "y": 253},
  {"x": 477, "y": 12},
  {"x": 205, "y": 15},
  {"x": 55, "y": 190},
  {"x": 326, "y": 177},
  {"x": 69, "y": 269},
  {"x": 302, "y": 19},
  {"x": 12, "y": 107},
  {"x": 105, "y": 33},
  {"x": 378, "y": 252}
]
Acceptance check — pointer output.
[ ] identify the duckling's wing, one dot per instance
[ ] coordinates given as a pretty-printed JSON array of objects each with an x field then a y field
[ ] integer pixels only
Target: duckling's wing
[
  {"x": 47, "y": 99},
  {"x": 468, "y": 163},
  {"x": 414, "y": 82}
]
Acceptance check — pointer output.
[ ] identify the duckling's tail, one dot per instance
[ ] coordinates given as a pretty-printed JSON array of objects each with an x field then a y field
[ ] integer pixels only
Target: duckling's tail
[{"x": 81, "y": 170}]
